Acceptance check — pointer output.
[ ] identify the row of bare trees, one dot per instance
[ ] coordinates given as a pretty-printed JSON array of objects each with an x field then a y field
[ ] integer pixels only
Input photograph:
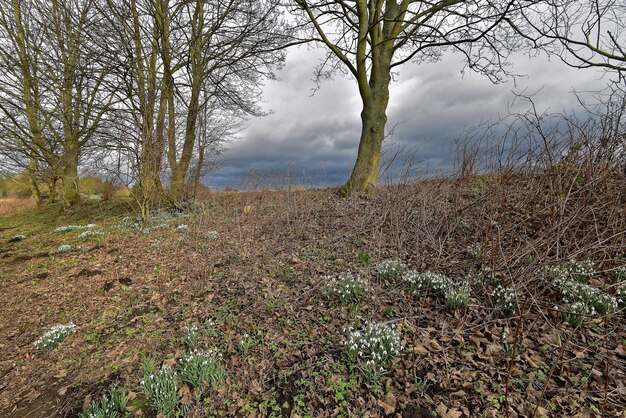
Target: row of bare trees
[
  {"x": 55, "y": 89},
  {"x": 154, "y": 86}
]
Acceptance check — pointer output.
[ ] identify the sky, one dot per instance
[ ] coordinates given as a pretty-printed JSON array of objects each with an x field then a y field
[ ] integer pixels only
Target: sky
[{"x": 311, "y": 138}]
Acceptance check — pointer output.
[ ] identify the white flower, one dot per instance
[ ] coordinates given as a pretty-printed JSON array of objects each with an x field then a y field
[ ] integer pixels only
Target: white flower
[
  {"x": 212, "y": 235},
  {"x": 389, "y": 269},
  {"x": 54, "y": 336}
]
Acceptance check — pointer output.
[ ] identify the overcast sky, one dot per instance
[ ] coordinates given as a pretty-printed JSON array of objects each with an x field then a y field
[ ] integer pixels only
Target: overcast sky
[{"x": 313, "y": 139}]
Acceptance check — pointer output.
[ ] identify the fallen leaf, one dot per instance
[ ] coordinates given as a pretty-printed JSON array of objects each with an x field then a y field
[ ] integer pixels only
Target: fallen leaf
[
  {"x": 452, "y": 413},
  {"x": 185, "y": 395},
  {"x": 389, "y": 409},
  {"x": 434, "y": 345},
  {"x": 87, "y": 401},
  {"x": 493, "y": 349},
  {"x": 419, "y": 349}
]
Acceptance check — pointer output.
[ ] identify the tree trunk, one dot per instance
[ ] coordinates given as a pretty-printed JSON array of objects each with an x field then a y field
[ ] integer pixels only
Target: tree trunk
[
  {"x": 365, "y": 171},
  {"x": 181, "y": 167},
  {"x": 150, "y": 172},
  {"x": 32, "y": 175},
  {"x": 71, "y": 194},
  {"x": 52, "y": 189}
]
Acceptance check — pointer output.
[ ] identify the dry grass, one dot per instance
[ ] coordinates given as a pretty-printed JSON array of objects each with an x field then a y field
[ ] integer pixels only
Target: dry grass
[
  {"x": 11, "y": 205},
  {"x": 264, "y": 276}
]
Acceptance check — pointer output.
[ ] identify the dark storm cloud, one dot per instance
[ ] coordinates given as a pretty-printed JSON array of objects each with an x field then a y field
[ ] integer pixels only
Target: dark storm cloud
[{"x": 314, "y": 139}]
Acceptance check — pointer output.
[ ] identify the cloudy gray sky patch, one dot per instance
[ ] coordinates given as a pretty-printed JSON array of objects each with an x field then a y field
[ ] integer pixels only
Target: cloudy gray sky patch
[{"x": 313, "y": 139}]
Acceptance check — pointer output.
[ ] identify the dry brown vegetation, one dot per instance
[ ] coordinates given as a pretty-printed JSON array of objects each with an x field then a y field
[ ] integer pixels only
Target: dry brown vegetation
[
  {"x": 264, "y": 276},
  {"x": 11, "y": 205}
]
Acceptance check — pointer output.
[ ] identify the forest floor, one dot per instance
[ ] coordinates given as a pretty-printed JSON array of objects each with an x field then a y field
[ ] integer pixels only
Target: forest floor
[{"x": 249, "y": 271}]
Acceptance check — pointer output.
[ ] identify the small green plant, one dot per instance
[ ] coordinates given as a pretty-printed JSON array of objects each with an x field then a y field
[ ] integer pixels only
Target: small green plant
[
  {"x": 475, "y": 251},
  {"x": 575, "y": 313},
  {"x": 112, "y": 405},
  {"x": 341, "y": 391},
  {"x": 422, "y": 385},
  {"x": 89, "y": 234},
  {"x": 245, "y": 343},
  {"x": 288, "y": 274},
  {"x": 200, "y": 369},
  {"x": 504, "y": 299},
  {"x": 191, "y": 335},
  {"x": 74, "y": 228},
  {"x": 480, "y": 184},
  {"x": 418, "y": 282},
  {"x": 300, "y": 407},
  {"x": 270, "y": 408},
  {"x": 580, "y": 271},
  {"x": 439, "y": 283},
  {"x": 54, "y": 336},
  {"x": 212, "y": 235},
  {"x": 161, "y": 388},
  {"x": 17, "y": 238},
  {"x": 390, "y": 269},
  {"x": 156, "y": 243},
  {"x": 210, "y": 328},
  {"x": 66, "y": 248},
  {"x": 372, "y": 349},
  {"x": 363, "y": 258},
  {"x": 620, "y": 294},
  {"x": 181, "y": 229},
  {"x": 457, "y": 296},
  {"x": 346, "y": 288}
]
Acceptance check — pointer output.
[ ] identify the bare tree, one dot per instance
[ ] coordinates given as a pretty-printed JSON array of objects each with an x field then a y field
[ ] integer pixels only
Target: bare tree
[
  {"x": 370, "y": 39},
  {"x": 223, "y": 49},
  {"x": 54, "y": 83},
  {"x": 140, "y": 132},
  {"x": 21, "y": 99},
  {"x": 583, "y": 33},
  {"x": 184, "y": 66},
  {"x": 77, "y": 71}
]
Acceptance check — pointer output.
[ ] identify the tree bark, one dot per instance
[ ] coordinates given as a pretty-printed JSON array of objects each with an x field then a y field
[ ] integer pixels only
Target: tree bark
[
  {"x": 375, "y": 97},
  {"x": 180, "y": 167},
  {"x": 365, "y": 172},
  {"x": 71, "y": 193},
  {"x": 32, "y": 175}
]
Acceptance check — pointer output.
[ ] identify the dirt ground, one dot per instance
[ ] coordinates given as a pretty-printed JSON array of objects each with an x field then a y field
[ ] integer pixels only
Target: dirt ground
[{"x": 131, "y": 293}]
